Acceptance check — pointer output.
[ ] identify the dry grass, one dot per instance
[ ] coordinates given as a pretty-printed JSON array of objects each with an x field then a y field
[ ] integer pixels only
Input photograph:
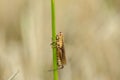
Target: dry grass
[{"x": 92, "y": 40}]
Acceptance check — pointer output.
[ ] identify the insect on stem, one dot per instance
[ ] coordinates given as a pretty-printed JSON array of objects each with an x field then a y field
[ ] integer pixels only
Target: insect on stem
[{"x": 59, "y": 44}]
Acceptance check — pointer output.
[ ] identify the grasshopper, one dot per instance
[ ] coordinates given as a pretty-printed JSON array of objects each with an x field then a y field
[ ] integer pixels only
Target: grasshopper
[{"x": 59, "y": 44}]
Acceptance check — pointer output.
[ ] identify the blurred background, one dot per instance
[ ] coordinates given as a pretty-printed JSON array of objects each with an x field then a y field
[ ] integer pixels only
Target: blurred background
[{"x": 91, "y": 32}]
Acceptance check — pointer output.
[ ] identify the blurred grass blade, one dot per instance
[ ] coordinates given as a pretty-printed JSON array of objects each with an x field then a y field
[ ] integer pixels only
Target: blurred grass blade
[{"x": 13, "y": 76}]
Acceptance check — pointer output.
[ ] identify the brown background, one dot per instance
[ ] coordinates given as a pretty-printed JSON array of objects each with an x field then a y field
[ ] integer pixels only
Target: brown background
[{"x": 92, "y": 39}]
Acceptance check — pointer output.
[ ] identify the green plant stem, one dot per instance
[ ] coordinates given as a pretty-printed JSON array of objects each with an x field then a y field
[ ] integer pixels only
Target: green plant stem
[{"x": 55, "y": 72}]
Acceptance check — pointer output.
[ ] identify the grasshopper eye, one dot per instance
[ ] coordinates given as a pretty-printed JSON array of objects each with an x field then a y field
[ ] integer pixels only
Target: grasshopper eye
[{"x": 57, "y": 37}]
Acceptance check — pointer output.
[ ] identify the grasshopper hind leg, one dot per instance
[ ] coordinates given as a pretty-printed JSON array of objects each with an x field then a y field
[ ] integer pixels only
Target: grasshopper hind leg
[{"x": 60, "y": 67}]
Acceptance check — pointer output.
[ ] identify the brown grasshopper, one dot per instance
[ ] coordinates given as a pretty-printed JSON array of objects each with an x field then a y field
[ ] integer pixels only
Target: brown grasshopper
[{"x": 59, "y": 44}]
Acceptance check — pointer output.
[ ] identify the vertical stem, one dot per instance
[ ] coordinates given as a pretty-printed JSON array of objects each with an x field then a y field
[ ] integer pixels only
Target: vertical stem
[{"x": 55, "y": 72}]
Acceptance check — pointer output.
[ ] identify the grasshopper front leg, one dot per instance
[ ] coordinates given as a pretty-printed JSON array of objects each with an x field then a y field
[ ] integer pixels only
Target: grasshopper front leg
[{"x": 54, "y": 44}]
